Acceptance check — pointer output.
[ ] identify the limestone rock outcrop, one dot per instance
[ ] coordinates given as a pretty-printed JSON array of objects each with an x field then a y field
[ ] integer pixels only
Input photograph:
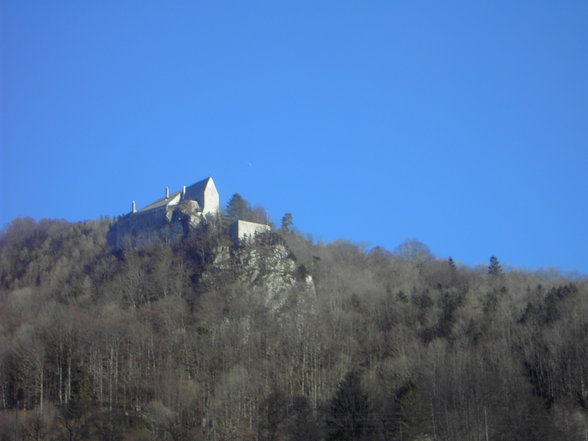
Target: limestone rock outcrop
[{"x": 265, "y": 264}]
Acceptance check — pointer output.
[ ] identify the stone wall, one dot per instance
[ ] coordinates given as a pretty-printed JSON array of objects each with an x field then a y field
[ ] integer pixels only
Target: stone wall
[
  {"x": 162, "y": 223},
  {"x": 242, "y": 230}
]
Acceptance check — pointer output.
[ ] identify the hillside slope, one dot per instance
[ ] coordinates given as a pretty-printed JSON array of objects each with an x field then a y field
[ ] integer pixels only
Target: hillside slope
[{"x": 280, "y": 339}]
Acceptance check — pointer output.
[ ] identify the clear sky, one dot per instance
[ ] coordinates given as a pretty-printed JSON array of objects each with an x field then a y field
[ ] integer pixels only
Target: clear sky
[{"x": 463, "y": 124}]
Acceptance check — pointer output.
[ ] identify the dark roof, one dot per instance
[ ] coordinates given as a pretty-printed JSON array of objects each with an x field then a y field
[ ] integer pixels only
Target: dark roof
[
  {"x": 196, "y": 191},
  {"x": 199, "y": 186}
]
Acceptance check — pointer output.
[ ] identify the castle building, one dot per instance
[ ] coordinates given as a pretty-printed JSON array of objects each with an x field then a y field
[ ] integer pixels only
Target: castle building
[
  {"x": 172, "y": 216},
  {"x": 244, "y": 231},
  {"x": 203, "y": 193}
]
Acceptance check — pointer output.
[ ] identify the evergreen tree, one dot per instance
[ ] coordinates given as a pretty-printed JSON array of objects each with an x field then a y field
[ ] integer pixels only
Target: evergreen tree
[
  {"x": 74, "y": 414},
  {"x": 494, "y": 269},
  {"x": 272, "y": 413},
  {"x": 237, "y": 207},
  {"x": 303, "y": 424},
  {"x": 349, "y": 416},
  {"x": 287, "y": 222},
  {"x": 81, "y": 396},
  {"x": 451, "y": 263}
]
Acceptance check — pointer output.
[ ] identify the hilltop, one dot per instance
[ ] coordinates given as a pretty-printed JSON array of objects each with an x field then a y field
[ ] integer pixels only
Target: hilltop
[{"x": 280, "y": 338}]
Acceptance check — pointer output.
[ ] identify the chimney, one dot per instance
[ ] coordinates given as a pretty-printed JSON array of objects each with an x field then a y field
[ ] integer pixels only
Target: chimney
[
  {"x": 134, "y": 208},
  {"x": 167, "y": 192}
]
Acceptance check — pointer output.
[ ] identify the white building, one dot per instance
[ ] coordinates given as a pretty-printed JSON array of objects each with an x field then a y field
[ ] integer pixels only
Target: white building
[
  {"x": 194, "y": 203},
  {"x": 243, "y": 231},
  {"x": 204, "y": 193}
]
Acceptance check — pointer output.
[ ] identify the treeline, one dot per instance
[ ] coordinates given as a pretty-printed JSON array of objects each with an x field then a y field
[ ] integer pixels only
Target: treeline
[{"x": 133, "y": 345}]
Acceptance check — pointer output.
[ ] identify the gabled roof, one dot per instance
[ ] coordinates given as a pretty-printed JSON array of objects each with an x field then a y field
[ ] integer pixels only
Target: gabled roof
[
  {"x": 160, "y": 203},
  {"x": 200, "y": 186},
  {"x": 194, "y": 192}
]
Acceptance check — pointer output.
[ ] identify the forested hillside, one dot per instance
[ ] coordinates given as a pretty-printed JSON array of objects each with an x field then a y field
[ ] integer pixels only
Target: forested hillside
[{"x": 101, "y": 344}]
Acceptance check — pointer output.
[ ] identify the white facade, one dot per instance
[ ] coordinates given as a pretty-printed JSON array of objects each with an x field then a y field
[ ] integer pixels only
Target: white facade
[
  {"x": 244, "y": 230},
  {"x": 205, "y": 193},
  {"x": 171, "y": 215},
  {"x": 174, "y": 199},
  {"x": 211, "y": 199}
]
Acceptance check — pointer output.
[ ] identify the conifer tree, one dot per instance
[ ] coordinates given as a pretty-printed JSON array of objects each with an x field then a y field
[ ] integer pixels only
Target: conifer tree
[
  {"x": 287, "y": 222},
  {"x": 237, "y": 207},
  {"x": 494, "y": 269},
  {"x": 349, "y": 412},
  {"x": 451, "y": 264}
]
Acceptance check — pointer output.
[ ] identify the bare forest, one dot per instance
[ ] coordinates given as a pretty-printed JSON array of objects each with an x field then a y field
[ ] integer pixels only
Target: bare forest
[{"x": 135, "y": 344}]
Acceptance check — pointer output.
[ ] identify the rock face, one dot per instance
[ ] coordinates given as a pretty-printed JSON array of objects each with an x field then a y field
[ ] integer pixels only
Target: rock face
[
  {"x": 274, "y": 268},
  {"x": 263, "y": 263}
]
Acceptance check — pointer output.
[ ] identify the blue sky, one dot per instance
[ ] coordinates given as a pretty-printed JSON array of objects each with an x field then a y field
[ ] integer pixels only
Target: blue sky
[{"x": 463, "y": 124}]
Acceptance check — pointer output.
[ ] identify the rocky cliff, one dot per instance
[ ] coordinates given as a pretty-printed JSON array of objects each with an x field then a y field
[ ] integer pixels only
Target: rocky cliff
[{"x": 263, "y": 262}]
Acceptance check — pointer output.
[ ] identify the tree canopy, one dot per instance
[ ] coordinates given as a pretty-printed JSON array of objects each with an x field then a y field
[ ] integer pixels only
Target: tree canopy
[{"x": 165, "y": 342}]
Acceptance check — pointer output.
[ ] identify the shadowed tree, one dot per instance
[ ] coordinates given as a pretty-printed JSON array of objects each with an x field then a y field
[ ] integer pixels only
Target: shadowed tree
[
  {"x": 287, "y": 222},
  {"x": 451, "y": 264},
  {"x": 237, "y": 207},
  {"x": 272, "y": 413},
  {"x": 349, "y": 417},
  {"x": 74, "y": 413},
  {"x": 303, "y": 424},
  {"x": 494, "y": 269}
]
